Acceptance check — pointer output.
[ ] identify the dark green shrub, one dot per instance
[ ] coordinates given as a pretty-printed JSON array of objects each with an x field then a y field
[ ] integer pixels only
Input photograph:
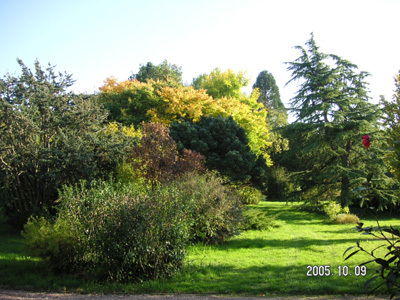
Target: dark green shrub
[
  {"x": 255, "y": 219},
  {"x": 49, "y": 138},
  {"x": 216, "y": 212},
  {"x": 225, "y": 145},
  {"x": 122, "y": 233}
]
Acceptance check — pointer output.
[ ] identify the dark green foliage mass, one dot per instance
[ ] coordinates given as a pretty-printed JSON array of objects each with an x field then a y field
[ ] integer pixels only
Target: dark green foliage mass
[
  {"x": 333, "y": 113},
  {"x": 270, "y": 97},
  {"x": 49, "y": 137},
  {"x": 224, "y": 144},
  {"x": 163, "y": 72}
]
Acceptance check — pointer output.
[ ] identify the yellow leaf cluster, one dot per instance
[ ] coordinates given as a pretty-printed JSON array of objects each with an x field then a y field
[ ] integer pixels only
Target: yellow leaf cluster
[
  {"x": 114, "y": 128},
  {"x": 182, "y": 102},
  {"x": 186, "y": 102},
  {"x": 112, "y": 85}
]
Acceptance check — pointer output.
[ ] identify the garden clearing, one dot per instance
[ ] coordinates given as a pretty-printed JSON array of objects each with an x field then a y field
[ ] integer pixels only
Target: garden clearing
[{"x": 270, "y": 264}]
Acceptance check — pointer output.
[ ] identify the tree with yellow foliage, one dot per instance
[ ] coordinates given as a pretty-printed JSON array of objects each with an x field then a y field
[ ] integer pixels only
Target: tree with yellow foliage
[
  {"x": 222, "y": 83},
  {"x": 132, "y": 102}
]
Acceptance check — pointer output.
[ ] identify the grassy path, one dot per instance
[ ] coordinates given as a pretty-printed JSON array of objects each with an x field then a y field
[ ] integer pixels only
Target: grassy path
[
  {"x": 268, "y": 263},
  {"x": 276, "y": 261}
]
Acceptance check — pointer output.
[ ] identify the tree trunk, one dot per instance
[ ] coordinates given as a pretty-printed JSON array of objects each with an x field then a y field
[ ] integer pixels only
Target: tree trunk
[{"x": 345, "y": 182}]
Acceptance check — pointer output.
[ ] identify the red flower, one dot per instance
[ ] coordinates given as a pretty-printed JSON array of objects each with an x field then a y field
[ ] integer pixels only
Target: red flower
[{"x": 366, "y": 141}]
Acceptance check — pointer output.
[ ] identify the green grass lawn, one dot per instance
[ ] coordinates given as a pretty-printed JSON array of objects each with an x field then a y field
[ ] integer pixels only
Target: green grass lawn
[{"x": 255, "y": 262}]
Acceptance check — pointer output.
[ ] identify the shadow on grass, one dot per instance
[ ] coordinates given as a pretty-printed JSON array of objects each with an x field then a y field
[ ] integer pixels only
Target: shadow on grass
[
  {"x": 284, "y": 243},
  {"x": 256, "y": 280}
]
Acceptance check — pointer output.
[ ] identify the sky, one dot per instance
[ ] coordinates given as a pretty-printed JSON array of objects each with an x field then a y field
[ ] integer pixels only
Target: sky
[{"x": 96, "y": 39}]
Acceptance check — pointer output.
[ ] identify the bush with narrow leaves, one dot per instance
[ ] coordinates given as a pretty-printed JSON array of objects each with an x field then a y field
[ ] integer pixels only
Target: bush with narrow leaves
[
  {"x": 216, "y": 210},
  {"x": 346, "y": 219},
  {"x": 120, "y": 233}
]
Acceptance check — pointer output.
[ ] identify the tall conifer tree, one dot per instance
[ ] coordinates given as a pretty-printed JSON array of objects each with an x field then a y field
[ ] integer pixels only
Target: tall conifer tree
[
  {"x": 271, "y": 99},
  {"x": 333, "y": 113}
]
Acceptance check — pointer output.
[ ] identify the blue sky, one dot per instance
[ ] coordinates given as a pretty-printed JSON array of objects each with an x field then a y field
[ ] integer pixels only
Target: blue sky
[{"x": 95, "y": 39}]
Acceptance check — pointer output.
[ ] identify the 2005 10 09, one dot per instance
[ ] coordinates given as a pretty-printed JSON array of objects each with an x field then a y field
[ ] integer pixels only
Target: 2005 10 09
[{"x": 313, "y": 271}]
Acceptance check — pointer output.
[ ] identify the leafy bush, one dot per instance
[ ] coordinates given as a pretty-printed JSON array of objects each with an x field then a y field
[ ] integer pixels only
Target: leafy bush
[
  {"x": 49, "y": 137},
  {"x": 156, "y": 159},
  {"x": 255, "y": 219},
  {"x": 120, "y": 232},
  {"x": 332, "y": 209},
  {"x": 389, "y": 264},
  {"x": 339, "y": 215},
  {"x": 216, "y": 212},
  {"x": 249, "y": 195},
  {"x": 54, "y": 242}
]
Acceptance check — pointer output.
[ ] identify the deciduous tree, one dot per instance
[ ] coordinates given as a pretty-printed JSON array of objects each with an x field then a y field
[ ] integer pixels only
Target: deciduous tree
[
  {"x": 222, "y": 83},
  {"x": 132, "y": 102},
  {"x": 156, "y": 158}
]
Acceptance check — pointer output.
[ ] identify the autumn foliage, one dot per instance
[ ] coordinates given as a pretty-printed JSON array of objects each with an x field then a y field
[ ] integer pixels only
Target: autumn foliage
[
  {"x": 132, "y": 102},
  {"x": 156, "y": 157}
]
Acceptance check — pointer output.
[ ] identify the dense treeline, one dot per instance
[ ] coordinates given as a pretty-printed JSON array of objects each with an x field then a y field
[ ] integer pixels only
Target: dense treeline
[{"x": 207, "y": 148}]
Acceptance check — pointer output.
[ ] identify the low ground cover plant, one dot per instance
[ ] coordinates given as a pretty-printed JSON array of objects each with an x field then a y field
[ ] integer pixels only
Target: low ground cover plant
[
  {"x": 339, "y": 215},
  {"x": 255, "y": 219}
]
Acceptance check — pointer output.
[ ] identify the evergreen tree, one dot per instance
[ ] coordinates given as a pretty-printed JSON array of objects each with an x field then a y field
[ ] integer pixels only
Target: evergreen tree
[
  {"x": 271, "y": 99},
  {"x": 163, "y": 72},
  {"x": 226, "y": 148},
  {"x": 48, "y": 137},
  {"x": 277, "y": 117},
  {"x": 333, "y": 113},
  {"x": 391, "y": 121}
]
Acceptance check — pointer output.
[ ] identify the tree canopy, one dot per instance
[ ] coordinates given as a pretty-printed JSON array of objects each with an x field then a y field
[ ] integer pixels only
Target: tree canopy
[
  {"x": 391, "y": 121},
  {"x": 224, "y": 144},
  {"x": 333, "y": 113},
  {"x": 49, "y": 137},
  {"x": 164, "y": 72},
  {"x": 270, "y": 98},
  {"x": 222, "y": 83},
  {"x": 156, "y": 101}
]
